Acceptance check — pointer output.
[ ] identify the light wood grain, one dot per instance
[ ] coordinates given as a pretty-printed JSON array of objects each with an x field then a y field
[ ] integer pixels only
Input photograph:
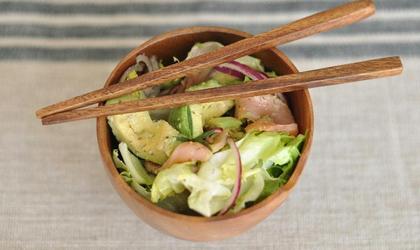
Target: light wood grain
[
  {"x": 311, "y": 79},
  {"x": 193, "y": 227},
  {"x": 324, "y": 21}
]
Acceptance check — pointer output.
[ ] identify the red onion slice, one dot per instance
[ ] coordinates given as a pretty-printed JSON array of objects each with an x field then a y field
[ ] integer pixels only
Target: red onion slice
[
  {"x": 237, "y": 185},
  {"x": 245, "y": 70},
  {"x": 230, "y": 72}
]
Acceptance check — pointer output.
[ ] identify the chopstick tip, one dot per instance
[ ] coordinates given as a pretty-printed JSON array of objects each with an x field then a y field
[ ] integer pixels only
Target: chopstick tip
[{"x": 38, "y": 113}]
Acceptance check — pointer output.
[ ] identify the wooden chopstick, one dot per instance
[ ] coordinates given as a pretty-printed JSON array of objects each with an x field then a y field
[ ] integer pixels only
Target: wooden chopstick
[
  {"x": 324, "y": 21},
  {"x": 359, "y": 71}
]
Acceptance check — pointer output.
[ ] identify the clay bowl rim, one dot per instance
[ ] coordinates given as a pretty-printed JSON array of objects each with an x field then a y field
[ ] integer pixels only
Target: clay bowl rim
[{"x": 107, "y": 151}]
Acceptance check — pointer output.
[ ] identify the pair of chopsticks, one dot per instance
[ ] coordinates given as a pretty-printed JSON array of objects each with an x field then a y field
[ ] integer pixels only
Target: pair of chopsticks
[{"x": 324, "y": 21}]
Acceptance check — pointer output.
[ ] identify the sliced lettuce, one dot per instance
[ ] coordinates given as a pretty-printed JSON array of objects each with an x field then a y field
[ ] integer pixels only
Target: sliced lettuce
[
  {"x": 169, "y": 181},
  {"x": 260, "y": 146},
  {"x": 271, "y": 74},
  {"x": 132, "y": 75},
  {"x": 177, "y": 203},
  {"x": 280, "y": 162},
  {"x": 203, "y": 48},
  {"x": 261, "y": 153},
  {"x": 205, "y": 197},
  {"x": 268, "y": 160},
  {"x": 136, "y": 186},
  {"x": 140, "y": 189},
  {"x": 278, "y": 168},
  {"x": 134, "y": 166},
  {"x": 118, "y": 163},
  {"x": 126, "y": 176},
  {"x": 251, "y": 189}
]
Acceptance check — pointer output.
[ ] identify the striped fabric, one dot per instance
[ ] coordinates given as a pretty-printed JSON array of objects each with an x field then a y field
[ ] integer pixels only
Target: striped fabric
[
  {"x": 106, "y": 30},
  {"x": 359, "y": 190}
]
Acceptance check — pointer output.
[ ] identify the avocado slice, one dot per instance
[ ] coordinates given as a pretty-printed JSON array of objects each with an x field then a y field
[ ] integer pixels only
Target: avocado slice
[
  {"x": 187, "y": 120},
  {"x": 147, "y": 139},
  {"x": 224, "y": 122},
  {"x": 228, "y": 123},
  {"x": 211, "y": 109}
]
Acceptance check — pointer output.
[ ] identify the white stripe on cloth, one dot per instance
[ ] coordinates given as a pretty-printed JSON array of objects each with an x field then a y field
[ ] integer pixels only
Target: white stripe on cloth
[{"x": 177, "y": 19}]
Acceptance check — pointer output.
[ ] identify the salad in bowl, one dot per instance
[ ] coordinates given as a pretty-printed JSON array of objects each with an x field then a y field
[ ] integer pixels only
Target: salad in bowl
[{"x": 206, "y": 159}]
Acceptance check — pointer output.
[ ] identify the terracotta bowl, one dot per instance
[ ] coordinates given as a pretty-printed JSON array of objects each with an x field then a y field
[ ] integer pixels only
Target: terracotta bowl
[{"x": 177, "y": 43}]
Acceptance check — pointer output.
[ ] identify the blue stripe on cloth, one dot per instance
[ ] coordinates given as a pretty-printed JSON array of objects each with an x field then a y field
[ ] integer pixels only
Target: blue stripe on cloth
[
  {"x": 306, "y": 51},
  {"x": 136, "y": 30}
]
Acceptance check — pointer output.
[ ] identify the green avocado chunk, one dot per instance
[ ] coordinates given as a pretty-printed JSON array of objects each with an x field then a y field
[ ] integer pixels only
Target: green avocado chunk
[
  {"x": 211, "y": 109},
  {"x": 224, "y": 122},
  {"x": 147, "y": 139},
  {"x": 187, "y": 119}
]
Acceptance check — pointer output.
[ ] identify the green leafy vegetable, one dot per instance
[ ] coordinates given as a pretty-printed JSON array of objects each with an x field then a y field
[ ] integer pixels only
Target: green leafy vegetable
[
  {"x": 177, "y": 203},
  {"x": 271, "y": 74},
  {"x": 169, "y": 181},
  {"x": 132, "y": 75},
  {"x": 126, "y": 176},
  {"x": 247, "y": 79},
  {"x": 279, "y": 167},
  {"x": 140, "y": 189},
  {"x": 134, "y": 166},
  {"x": 203, "y": 48},
  {"x": 118, "y": 163},
  {"x": 205, "y": 197},
  {"x": 259, "y": 151},
  {"x": 251, "y": 189}
]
